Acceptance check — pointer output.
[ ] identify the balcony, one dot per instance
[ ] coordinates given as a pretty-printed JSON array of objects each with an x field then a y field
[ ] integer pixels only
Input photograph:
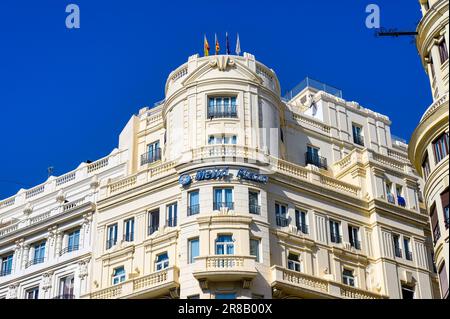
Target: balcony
[
  {"x": 254, "y": 209},
  {"x": 316, "y": 160},
  {"x": 5, "y": 272},
  {"x": 193, "y": 210},
  {"x": 69, "y": 249},
  {"x": 152, "y": 157},
  {"x": 282, "y": 221},
  {"x": 34, "y": 261},
  {"x": 225, "y": 268},
  {"x": 358, "y": 139},
  {"x": 220, "y": 205},
  {"x": 227, "y": 113},
  {"x": 293, "y": 283},
  {"x": 155, "y": 285}
]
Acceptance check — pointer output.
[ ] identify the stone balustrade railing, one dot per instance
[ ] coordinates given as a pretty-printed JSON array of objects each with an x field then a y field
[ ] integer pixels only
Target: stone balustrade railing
[
  {"x": 304, "y": 119},
  {"x": 56, "y": 183}
]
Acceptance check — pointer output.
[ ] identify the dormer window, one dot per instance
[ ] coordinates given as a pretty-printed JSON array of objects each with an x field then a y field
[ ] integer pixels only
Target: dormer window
[{"x": 222, "y": 107}]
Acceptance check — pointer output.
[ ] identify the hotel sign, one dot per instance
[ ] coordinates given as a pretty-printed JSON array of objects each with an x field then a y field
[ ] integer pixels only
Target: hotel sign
[{"x": 222, "y": 173}]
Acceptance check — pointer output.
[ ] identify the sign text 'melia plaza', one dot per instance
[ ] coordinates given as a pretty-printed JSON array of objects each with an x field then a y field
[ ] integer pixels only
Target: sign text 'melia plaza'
[{"x": 219, "y": 173}]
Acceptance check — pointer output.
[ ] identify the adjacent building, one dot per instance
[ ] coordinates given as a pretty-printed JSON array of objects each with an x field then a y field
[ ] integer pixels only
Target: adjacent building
[{"x": 429, "y": 144}]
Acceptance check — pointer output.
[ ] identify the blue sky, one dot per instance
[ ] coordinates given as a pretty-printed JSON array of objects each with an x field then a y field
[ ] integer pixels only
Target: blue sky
[{"x": 65, "y": 95}]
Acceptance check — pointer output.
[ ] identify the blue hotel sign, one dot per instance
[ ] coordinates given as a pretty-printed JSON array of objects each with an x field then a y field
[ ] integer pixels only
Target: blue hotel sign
[{"x": 219, "y": 173}]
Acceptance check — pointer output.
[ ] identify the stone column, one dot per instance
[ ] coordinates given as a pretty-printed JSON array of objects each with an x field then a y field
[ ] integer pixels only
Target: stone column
[
  {"x": 26, "y": 255},
  {"x": 18, "y": 253}
]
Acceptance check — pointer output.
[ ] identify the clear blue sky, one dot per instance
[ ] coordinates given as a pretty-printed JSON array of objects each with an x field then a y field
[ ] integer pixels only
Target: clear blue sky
[{"x": 65, "y": 95}]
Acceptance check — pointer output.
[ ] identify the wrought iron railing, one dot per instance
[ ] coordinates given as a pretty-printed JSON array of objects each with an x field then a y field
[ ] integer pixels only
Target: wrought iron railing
[
  {"x": 151, "y": 157},
  {"x": 193, "y": 210},
  {"x": 69, "y": 249},
  {"x": 314, "y": 159},
  {"x": 214, "y": 113},
  {"x": 220, "y": 205},
  {"x": 128, "y": 237},
  {"x": 254, "y": 209},
  {"x": 34, "y": 261},
  {"x": 282, "y": 221}
]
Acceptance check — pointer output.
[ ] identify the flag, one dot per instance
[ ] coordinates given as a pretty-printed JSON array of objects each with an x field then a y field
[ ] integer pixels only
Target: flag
[
  {"x": 228, "y": 44},
  {"x": 238, "y": 45},
  {"x": 217, "y": 44},
  {"x": 206, "y": 47}
]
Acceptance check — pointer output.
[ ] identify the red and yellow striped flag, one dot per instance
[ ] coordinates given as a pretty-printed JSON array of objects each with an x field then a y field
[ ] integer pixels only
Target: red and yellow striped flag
[{"x": 206, "y": 47}]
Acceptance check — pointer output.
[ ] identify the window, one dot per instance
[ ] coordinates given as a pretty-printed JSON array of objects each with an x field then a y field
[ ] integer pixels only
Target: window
[
  {"x": 223, "y": 197},
  {"x": 222, "y": 107},
  {"x": 32, "y": 293},
  {"x": 445, "y": 206},
  {"x": 443, "y": 281},
  {"x": 348, "y": 278},
  {"x": 426, "y": 167},
  {"x": 222, "y": 139},
  {"x": 193, "y": 297},
  {"x": 435, "y": 224},
  {"x": 358, "y": 138},
  {"x": 443, "y": 52},
  {"x": 353, "y": 234},
  {"x": 6, "y": 265},
  {"x": 225, "y": 295},
  {"x": 194, "y": 203},
  {"x": 397, "y": 249},
  {"x": 407, "y": 292},
  {"x": 280, "y": 215},
  {"x": 162, "y": 262},
  {"x": 312, "y": 157},
  {"x": 66, "y": 287},
  {"x": 153, "y": 221},
  {"x": 440, "y": 147},
  {"x": 407, "y": 247},
  {"x": 153, "y": 153},
  {"x": 118, "y": 275},
  {"x": 253, "y": 202},
  {"x": 224, "y": 245},
  {"x": 73, "y": 242},
  {"x": 194, "y": 249},
  {"x": 172, "y": 215},
  {"x": 39, "y": 253},
  {"x": 254, "y": 248},
  {"x": 281, "y": 135},
  {"x": 390, "y": 197},
  {"x": 294, "y": 262},
  {"x": 400, "y": 199},
  {"x": 129, "y": 230},
  {"x": 112, "y": 236},
  {"x": 335, "y": 231},
  {"x": 300, "y": 221}
]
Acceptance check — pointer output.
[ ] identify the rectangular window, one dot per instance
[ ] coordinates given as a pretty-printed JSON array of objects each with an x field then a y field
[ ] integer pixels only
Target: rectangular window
[
  {"x": 407, "y": 247},
  {"x": 443, "y": 52},
  {"x": 335, "y": 231},
  {"x": 6, "y": 265},
  {"x": 253, "y": 203},
  {"x": 445, "y": 206},
  {"x": 39, "y": 253},
  {"x": 426, "y": 167},
  {"x": 225, "y": 296},
  {"x": 32, "y": 293},
  {"x": 435, "y": 224},
  {"x": 224, "y": 245},
  {"x": 407, "y": 292},
  {"x": 111, "y": 236},
  {"x": 66, "y": 287},
  {"x": 348, "y": 278},
  {"x": 73, "y": 241},
  {"x": 118, "y": 275},
  {"x": 300, "y": 221},
  {"x": 440, "y": 147},
  {"x": 353, "y": 234},
  {"x": 222, "y": 139},
  {"x": 400, "y": 199},
  {"x": 313, "y": 157},
  {"x": 222, "y": 107},
  {"x": 153, "y": 153},
  {"x": 254, "y": 248},
  {"x": 223, "y": 197},
  {"x": 194, "y": 203},
  {"x": 194, "y": 249},
  {"x": 444, "y": 281},
  {"x": 129, "y": 230},
  {"x": 358, "y": 138},
  {"x": 153, "y": 221},
  {"x": 280, "y": 215},
  {"x": 172, "y": 215},
  {"x": 390, "y": 196},
  {"x": 162, "y": 262},
  {"x": 294, "y": 262},
  {"x": 397, "y": 249}
]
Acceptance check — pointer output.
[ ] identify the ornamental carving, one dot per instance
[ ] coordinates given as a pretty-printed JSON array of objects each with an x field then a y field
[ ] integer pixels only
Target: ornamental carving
[
  {"x": 222, "y": 62},
  {"x": 47, "y": 280},
  {"x": 83, "y": 268}
]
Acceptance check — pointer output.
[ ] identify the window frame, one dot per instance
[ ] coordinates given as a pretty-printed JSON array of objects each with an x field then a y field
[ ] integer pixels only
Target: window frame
[
  {"x": 226, "y": 245},
  {"x": 191, "y": 257},
  {"x": 121, "y": 277}
]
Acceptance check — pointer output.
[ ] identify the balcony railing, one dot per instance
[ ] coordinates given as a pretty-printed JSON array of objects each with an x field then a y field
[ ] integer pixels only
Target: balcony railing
[
  {"x": 69, "y": 249},
  {"x": 220, "y": 205},
  {"x": 110, "y": 243},
  {"x": 193, "y": 210},
  {"x": 355, "y": 244},
  {"x": 302, "y": 227},
  {"x": 172, "y": 222},
  {"x": 398, "y": 252},
  {"x": 358, "y": 139},
  {"x": 5, "y": 272},
  {"x": 282, "y": 221},
  {"x": 65, "y": 296},
  {"x": 254, "y": 209},
  {"x": 316, "y": 160},
  {"x": 152, "y": 229},
  {"x": 34, "y": 261},
  {"x": 337, "y": 239},
  {"x": 408, "y": 255},
  {"x": 227, "y": 113},
  {"x": 148, "y": 158},
  {"x": 129, "y": 237}
]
